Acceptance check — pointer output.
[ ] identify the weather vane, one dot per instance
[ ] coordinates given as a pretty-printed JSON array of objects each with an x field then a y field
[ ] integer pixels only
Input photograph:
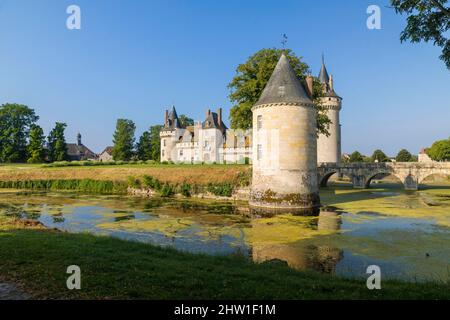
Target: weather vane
[{"x": 284, "y": 40}]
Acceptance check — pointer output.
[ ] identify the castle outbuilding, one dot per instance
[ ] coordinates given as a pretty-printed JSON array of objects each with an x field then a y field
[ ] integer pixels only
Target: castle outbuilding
[
  {"x": 285, "y": 143},
  {"x": 329, "y": 147}
]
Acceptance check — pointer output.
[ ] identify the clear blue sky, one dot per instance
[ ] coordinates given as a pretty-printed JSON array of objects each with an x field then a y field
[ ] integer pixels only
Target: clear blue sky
[{"x": 133, "y": 58}]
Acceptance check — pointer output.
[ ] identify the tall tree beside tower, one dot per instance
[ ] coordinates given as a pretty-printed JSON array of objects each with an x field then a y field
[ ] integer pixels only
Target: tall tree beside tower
[
  {"x": 36, "y": 149},
  {"x": 251, "y": 79},
  {"x": 123, "y": 140},
  {"x": 15, "y": 123},
  {"x": 155, "y": 142},
  {"x": 56, "y": 143},
  {"x": 144, "y": 147}
]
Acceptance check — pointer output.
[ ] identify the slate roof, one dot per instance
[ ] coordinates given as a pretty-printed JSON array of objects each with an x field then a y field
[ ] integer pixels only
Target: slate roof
[
  {"x": 212, "y": 121},
  {"x": 79, "y": 152},
  {"x": 108, "y": 150},
  {"x": 284, "y": 86},
  {"x": 172, "y": 122},
  {"x": 325, "y": 80}
]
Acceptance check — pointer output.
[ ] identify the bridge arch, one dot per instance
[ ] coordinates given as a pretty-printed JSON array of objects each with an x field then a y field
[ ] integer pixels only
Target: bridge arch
[
  {"x": 405, "y": 181},
  {"x": 433, "y": 173},
  {"x": 324, "y": 178}
]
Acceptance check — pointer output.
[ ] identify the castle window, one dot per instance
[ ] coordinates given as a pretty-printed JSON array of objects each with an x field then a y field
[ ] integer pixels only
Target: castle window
[
  {"x": 259, "y": 122},
  {"x": 164, "y": 142},
  {"x": 281, "y": 91},
  {"x": 163, "y": 153},
  {"x": 181, "y": 152},
  {"x": 259, "y": 152}
]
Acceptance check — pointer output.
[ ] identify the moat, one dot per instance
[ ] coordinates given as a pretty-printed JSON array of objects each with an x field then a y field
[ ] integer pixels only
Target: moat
[{"x": 407, "y": 234}]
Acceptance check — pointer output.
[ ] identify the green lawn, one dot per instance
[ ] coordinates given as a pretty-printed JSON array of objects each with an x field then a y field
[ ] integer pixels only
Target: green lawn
[{"x": 111, "y": 268}]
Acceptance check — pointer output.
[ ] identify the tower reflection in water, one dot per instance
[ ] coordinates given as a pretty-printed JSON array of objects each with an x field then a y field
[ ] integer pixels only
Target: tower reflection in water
[{"x": 304, "y": 253}]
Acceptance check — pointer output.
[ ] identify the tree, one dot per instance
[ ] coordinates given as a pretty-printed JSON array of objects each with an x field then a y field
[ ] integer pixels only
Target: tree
[
  {"x": 56, "y": 143},
  {"x": 440, "y": 150},
  {"x": 123, "y": 140},
  {"x": 155, "y": 141},
  {"x": 251, "y": 79},
  {"x": 15, "y": 123},
  {"x": 36, "y": 149},
  {"x": 428, "y": 20},
  {"x": 144, "y": 147},
  {"x": 404, "y": 156},
  {"x": 356, "y": 157},
  {"x": 185, "y": 121},
  {"x": 379, "y": 156}
]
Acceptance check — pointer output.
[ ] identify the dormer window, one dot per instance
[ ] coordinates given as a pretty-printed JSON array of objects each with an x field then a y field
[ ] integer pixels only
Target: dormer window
[{"x": 281, "y": 91}]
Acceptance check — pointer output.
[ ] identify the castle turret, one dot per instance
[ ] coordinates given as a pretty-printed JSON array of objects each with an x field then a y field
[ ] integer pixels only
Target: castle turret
[
  {"x": 79, "y": 139},
  {"x": 284, "y": 144},
  {"x": 329, "y": 147},
  {"x": 170, "y": 135}
]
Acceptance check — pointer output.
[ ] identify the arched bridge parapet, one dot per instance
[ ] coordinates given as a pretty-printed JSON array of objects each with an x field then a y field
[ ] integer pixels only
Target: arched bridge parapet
[{"x": 411, "y": 174}]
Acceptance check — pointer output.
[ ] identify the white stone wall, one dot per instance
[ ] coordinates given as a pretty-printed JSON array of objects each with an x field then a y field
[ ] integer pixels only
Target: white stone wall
[{"x": 329, "y": 148}]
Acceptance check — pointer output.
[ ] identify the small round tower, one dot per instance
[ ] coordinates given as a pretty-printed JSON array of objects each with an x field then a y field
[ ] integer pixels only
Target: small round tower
[
  {"x": 169, "y": 135},
  {"x": 285, "y": 144},
  {"x": 329, "y": 147}
]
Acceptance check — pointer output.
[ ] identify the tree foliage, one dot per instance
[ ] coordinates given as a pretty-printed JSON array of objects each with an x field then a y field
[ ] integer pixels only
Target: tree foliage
[
  {"x": 185, "y": 121},
  {"x": 15, "y": 123},
  {"x": 356, "y": 156},
  {"x": 36, "y": 146},
  {"x": 440, "y": 150},
  {"x": 123, "y": 140},
  {"x": 144, "y": 147},
  {"x": 56, "y": 143},
  {"x": 251, "y": 78},
  {"x": 379, "y": 156},
  {"x": 404, "y": 156},
  {"x": 155, "y": 142},
  {"x": 428, "y": 20}
]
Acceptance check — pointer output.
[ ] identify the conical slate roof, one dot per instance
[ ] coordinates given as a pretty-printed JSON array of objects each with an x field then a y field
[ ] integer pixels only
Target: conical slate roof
[
  {"x": 325, "y": 80},
  {"x": 172, "y": 122},
  {"x": 284, "y": 86},
  {"x": 323, "y": 75}
]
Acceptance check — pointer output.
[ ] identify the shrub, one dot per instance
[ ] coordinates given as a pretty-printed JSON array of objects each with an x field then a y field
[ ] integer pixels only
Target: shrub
[
  {"x": 224, "y": 190},
  {"x": 134, "y": 183},
  {"x": 167, "y": 190},
  {"x": 186, "y": 190}
]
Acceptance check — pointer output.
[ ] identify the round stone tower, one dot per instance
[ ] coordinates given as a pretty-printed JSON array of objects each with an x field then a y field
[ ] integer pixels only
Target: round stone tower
[
  {"x": 329, "y": 148},
  {"x": 170, "y": 135},
  {"x": 285, "y": 144}
]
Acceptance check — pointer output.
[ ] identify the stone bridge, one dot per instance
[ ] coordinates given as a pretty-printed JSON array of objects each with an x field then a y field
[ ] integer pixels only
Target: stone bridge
[{"x": 411, "y": 174}]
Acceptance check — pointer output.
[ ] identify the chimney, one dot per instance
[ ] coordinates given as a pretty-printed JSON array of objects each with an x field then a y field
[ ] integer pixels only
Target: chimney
[
  {"x": 331, "y": 83},
  {"x": 219, "y": 116},
  {"x": 309, "y": 85},
  {"x": 166, "y": 118}
]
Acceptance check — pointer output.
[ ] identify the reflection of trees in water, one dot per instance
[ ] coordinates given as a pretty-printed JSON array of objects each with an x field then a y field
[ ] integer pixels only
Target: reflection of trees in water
[
  {"x": 302, "y": 254},
  {"x": 31, "y": 212}
]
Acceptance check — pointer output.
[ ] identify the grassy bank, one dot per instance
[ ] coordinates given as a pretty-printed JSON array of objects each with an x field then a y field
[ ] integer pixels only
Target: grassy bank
[
  {"x": 37, "y": 259},
  {"x": 170, "y": 173}
]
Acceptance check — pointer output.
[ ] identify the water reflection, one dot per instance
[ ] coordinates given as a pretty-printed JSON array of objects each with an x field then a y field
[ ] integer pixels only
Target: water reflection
[
  {"x": 305, "y": 257},
  {"x": 330, "y": 241}
]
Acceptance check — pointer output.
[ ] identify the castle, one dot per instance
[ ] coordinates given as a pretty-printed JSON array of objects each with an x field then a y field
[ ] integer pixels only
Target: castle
[{"x": 211, "y": 141}]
